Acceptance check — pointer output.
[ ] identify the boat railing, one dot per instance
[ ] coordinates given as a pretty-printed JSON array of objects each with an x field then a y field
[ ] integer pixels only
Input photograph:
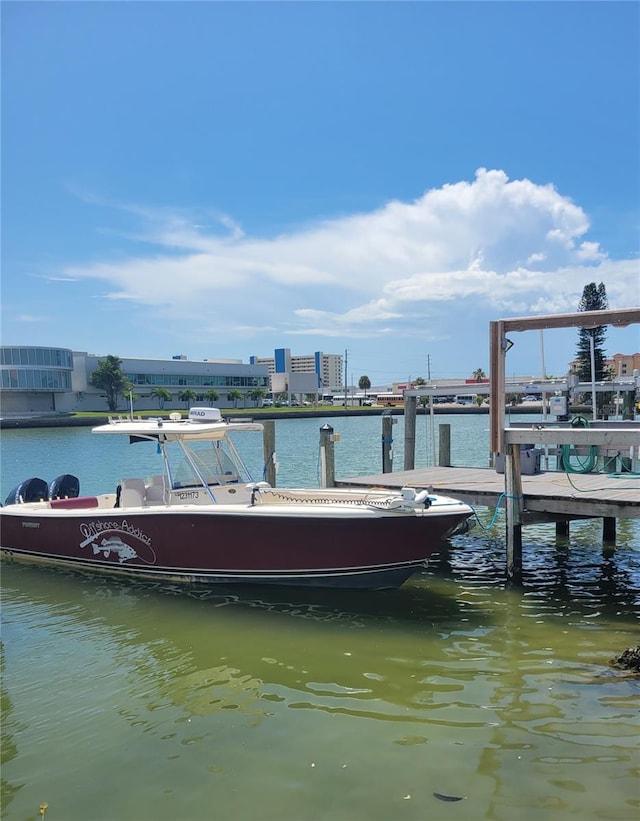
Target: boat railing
[{"x": 327, "y": 496}]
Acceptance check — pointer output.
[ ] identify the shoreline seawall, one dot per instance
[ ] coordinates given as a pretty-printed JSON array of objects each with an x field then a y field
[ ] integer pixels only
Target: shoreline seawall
[{"x": 72, "y": 421}]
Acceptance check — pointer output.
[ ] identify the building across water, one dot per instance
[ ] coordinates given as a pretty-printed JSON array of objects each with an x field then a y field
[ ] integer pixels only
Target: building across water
[
  {"x": 44, "y": 380},
  {"x": 326, "y": 366}
]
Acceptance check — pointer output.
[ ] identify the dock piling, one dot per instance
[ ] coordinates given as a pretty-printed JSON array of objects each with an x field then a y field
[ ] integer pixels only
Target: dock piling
[
  {"x": 327, "y": 457},
  {"x": 410, "y": 414},
  {"x": 444, "y": 445},
  {"x": 609, "y": 531},
  {"x": 269, "y": 451},
  {"x": 514, "y": 507},
  {"x": 387, "y": 441}
]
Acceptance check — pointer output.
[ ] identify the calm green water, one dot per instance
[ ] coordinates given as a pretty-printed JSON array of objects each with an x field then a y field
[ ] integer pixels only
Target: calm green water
[{"x": 129, "y": 703}]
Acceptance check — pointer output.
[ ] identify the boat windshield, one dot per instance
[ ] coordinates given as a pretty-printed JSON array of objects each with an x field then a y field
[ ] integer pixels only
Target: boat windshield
[{"x": 215, "y": 462}]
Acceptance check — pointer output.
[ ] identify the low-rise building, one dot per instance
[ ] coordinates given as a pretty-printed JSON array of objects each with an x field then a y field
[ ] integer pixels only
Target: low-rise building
[
  {"x": 620, "y": 364},
  {"x": 33, "y": 379},
  {"x": 42, "y": 380}
]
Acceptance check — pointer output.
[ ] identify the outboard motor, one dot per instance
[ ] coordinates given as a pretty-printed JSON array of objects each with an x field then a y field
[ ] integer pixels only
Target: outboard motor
[
  {"x": 64, "y": 487},
  {"x": 31, "y": 490}
]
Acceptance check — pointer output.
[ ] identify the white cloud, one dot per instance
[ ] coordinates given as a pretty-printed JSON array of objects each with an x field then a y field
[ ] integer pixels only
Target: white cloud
[
  {"x": 30, "y": 318},
  {"x": 506, "y": 246}
]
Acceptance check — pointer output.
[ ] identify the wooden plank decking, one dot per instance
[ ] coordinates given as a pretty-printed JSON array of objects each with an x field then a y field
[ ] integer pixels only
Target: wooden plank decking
[{"x": 548, "y": 496}]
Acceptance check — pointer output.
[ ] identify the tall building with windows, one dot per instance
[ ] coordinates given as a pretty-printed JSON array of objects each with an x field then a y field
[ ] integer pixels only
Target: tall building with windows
[{"x": 327, "y": 367}]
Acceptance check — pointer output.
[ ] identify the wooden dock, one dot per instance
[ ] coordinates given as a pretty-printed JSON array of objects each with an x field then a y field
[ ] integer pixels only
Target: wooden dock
[{"x": 549, "y": 496}]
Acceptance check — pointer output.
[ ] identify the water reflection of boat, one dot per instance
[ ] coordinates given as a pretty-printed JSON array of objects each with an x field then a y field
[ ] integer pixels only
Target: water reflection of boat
[
  {"x": 240, "y": 649},
  {"x": 204, "y": 520}
]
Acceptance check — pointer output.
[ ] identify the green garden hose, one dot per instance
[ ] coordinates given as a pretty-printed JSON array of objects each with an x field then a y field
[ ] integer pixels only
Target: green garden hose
[{"x": 586, "y": 465}]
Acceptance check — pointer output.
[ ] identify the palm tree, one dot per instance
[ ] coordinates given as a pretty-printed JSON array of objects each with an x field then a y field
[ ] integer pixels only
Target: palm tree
[
  {"x": 162, "y": 395},
  {"x": 129, "y": 395},
  {"x": 364, "y": 383},
  {"x": 233, "y": 395},
  {"x": 187, "y": 396},
  {"x": 479, "y": 375},
  {"x": 212, "y": 395},
  {"x": 256, "y": 395}
]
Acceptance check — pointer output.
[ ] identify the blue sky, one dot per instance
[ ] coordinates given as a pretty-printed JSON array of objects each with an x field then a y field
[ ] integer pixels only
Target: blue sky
[{"x": 222, "y": 179}]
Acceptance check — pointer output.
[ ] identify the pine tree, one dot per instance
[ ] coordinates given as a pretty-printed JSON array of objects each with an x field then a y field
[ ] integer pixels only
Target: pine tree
[{"x": 594, "y": 298}]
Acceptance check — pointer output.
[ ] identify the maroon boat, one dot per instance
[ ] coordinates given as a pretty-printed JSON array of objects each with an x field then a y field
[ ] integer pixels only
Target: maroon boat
[{"x": 205, "y": 521}]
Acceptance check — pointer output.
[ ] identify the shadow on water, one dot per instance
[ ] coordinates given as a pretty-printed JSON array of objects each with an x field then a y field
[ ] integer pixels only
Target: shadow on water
[
  {"x": 461, "y": 589},
  {"x": 418, "y": 603}
]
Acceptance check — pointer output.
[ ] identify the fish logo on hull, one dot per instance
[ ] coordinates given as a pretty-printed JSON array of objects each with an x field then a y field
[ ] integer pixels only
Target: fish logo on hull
[
  {"x": 117, "y": 541},
  {"x": 117, "y": 546}
]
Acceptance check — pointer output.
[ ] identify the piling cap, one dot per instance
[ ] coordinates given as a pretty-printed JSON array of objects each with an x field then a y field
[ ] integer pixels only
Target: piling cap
[{"x": 326, "y": 428}]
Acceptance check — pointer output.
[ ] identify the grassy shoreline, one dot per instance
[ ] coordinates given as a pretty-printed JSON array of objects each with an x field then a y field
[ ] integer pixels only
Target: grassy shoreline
[{"x": 89, "y": 418}]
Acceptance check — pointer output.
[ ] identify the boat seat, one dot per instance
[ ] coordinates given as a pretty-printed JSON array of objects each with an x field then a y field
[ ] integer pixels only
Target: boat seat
[
  {"x": 135, "y": 484},
  {"x": 155, "y": 490},
  {"x": 155, "y": 495},
  {"x": 130, "y": 497},
  {"x": 132, "y": 493}
]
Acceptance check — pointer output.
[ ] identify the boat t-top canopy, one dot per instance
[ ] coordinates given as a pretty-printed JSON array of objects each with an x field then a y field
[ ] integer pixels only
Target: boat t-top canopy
[{"x": 203, "y": 424}]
